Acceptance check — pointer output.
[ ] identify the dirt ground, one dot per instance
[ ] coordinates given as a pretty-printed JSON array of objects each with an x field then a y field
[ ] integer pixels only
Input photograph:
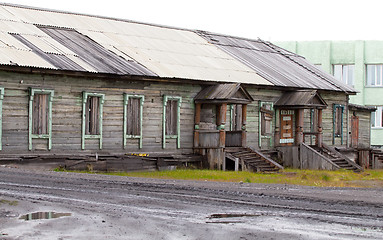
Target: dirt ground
[{"x": 112, "y": 207}]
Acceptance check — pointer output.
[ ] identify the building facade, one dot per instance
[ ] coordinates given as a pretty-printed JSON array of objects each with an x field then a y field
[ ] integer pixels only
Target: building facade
[{"x": 356, "y": 63}]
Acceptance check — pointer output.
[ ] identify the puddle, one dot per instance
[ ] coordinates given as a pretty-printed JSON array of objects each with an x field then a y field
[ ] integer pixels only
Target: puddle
[
  {"x": 43, "y": 215},
  {"x": 232, "y": 215}
]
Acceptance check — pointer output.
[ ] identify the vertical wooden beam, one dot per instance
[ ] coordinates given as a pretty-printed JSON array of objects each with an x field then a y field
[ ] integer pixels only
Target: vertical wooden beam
[
  {"x": 299, "y": 126},
  {"x": 319, "y": 137},
  {"x": 197, "y": 120},
  {"x": 277, "y": 133},
  {"x": 244, "y": 117},
  {"x": 221, "y": 120}
]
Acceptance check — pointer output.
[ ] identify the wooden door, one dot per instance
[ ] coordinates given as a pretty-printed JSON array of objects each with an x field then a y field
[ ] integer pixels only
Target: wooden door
[
  {"x": 287, "y": 127},
  {"x": 354, "y": 131}
]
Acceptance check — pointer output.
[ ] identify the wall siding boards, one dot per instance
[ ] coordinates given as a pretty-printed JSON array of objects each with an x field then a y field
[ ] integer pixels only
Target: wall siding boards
[{"x": 67, "y": 112}]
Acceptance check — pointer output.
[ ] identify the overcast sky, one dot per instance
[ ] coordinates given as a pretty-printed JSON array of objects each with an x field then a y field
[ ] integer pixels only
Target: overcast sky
[{"x": 271, "y": 20}]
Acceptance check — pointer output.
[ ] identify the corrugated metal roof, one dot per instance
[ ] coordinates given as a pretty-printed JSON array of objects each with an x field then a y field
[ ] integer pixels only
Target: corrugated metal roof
[
  {"x": 124, "y": 47},
  {"x": 278, "y": 66}
]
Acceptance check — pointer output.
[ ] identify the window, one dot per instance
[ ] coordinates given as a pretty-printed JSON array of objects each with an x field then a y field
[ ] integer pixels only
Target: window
[
  {"x": 40, "y": 115},
  {"x": 265, "y": 121},
  {"x": 338, "y": 122},
  {"x": 133, "y": 107},
  {"x": 236, "y": 117},
  {"x": 374, "y": 75},
  {"x": 92, "y": 104},
  {"x": 344, "y": 73},
  {"x": 376, "y": 117},
  {"x": 171, "y": 119}
]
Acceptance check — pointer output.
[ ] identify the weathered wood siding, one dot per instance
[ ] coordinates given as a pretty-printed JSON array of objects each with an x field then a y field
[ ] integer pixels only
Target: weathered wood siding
[
  {"x": 364, "y": 138},
  {"x": 265, "y": 95},
  {"x": 67, "y": 113}
]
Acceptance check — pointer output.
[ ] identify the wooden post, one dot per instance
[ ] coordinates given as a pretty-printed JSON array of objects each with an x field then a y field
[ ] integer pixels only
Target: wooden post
[
  {"x": 221, "y": 120},
  {"x": 197, "y": 120},
  {"x": 277, "y": 133},
  {"x": 319, "y": 137},
  {"x": 299, "y": 126},
  {"x": 244, "y": 116}
]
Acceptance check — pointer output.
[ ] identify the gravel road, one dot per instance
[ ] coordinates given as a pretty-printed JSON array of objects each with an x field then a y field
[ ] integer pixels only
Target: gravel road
[{"x": 112, "y": 207}]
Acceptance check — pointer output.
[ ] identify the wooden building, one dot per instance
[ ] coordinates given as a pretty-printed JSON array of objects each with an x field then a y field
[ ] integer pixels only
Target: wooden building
[{"x": 73, "y": 84}]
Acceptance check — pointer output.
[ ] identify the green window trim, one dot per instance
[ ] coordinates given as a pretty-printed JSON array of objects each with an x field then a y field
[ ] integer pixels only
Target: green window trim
[
  {"x": 260, "y": 136},
  {"x": 31, "y": 136},
  {"x": 337, "y": 106},
  {"x": 164, "y": 136},
  {"x": 1, "y": 116},
  {"x": 85, "y": 136},
  {"x": 126, "y": 101}
]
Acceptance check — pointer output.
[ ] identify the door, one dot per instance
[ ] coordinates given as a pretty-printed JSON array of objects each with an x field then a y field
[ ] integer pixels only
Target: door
[
  {"x": 286, "y": 119},
  {"x": 354, "y": 131}
]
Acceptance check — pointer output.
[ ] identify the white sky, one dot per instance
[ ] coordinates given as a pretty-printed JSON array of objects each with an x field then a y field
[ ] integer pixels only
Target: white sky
[{"x": 271, "y": 20}]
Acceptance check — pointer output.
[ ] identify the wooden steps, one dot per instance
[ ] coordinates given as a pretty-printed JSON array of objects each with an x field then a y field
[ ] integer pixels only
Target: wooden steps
[
  {"x": 337, "y": 158},
  {"x": 253, "y": 160}
]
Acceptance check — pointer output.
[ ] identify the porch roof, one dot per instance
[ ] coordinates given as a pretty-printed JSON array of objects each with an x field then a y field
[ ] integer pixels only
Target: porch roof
[
  {"x": 224, "y": 93},
  {"x": 301, "y": 99}
]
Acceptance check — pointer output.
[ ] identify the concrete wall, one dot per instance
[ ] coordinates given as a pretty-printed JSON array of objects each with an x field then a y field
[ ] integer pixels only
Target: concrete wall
[{"x": 359, "y": 53}]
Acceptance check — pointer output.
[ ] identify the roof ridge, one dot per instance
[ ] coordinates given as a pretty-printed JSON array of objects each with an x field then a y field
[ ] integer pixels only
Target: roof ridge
[{"x": 92, "y": 15}]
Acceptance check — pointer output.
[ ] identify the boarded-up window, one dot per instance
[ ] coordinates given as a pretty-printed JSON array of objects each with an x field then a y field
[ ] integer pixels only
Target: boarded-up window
[
  {"x": 133, "y": 117},
  {"x": 40, "y": 114},
  {"x": 92, "y": 115},
  {"x": 171, "y": 117},
  {"x": 266, "y": 119},
  {"x": 338, "y": 121},
  {"x": 236, "y": 117}
]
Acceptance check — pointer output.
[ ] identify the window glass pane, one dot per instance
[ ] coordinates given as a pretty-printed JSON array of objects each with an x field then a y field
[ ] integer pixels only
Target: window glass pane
[
  {"x": 371, "y": 75},
  {"x": 372, "y": 119},
  {"x": 345, "y": 74},
  {"x": 378, "y": 75},
  {"x": 378, "y": 117},
  {"x": 338, "y": 72}
]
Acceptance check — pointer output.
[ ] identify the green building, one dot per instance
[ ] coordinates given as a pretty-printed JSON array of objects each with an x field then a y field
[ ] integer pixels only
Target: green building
[{"x": 357, "y": 63}]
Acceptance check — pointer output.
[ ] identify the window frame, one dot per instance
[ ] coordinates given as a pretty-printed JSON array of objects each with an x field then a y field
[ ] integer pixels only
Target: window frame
[
  {"x": 260, "y": 112},
  {"x": 376, "y": 66},
  {"x": 343, "y": 72},
  {"x": 335, "y": 108},
  {"x": 378, "y": 114},
  {"x": 31, "y": 135},
  {"x": 85, "y": 136},
  {"x": 126, "y": 103},
  {"x": 166, "y": 98},
  {"x": 233, "y": 118}
]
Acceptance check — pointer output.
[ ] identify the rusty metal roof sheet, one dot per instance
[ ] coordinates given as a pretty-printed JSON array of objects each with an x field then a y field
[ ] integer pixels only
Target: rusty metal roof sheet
[
  {"x": 301, "y": 99},
  {"x": 275, "y": 64}
]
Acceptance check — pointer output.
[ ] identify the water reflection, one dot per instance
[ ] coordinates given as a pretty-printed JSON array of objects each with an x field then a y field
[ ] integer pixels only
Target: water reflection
[{"x": 43, "y": 215}]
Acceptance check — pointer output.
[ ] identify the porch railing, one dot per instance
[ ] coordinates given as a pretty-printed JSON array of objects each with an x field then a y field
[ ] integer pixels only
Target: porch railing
[{"x": 233, "y": 139}]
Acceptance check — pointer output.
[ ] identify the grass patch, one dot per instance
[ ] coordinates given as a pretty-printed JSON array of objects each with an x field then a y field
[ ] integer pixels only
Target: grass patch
[
  {"x": 317, "y": 178},
  {"x": 10, "y": 203},
  {"x": 340, "y": 178}
]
